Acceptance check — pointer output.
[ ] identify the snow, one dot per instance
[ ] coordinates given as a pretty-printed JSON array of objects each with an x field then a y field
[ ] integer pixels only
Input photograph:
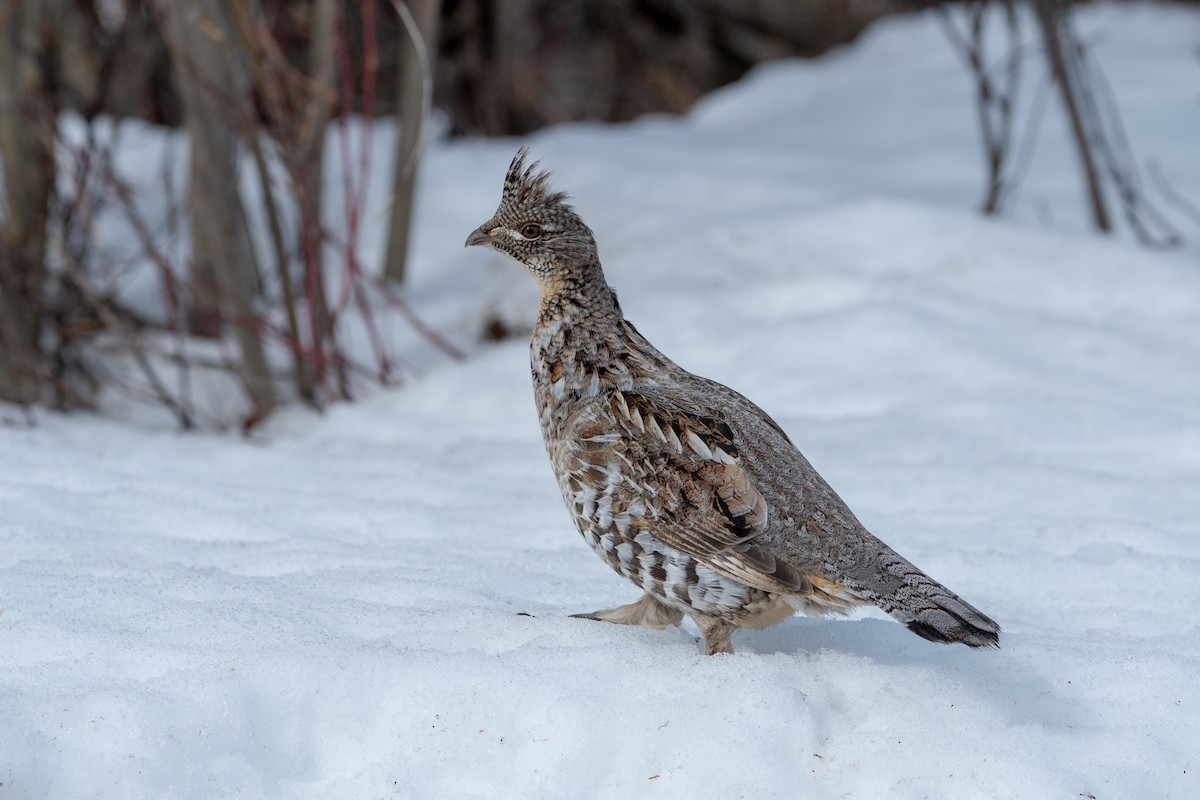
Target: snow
[{"x": 373, "y": 602}]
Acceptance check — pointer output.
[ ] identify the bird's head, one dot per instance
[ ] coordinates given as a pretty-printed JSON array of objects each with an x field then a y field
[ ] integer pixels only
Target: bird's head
[{"x": 535, "y": 226}]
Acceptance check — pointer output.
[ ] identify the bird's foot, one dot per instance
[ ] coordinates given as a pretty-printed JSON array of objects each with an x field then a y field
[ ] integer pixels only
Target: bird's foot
[
  {"x": 645, "y": 613},
  {"x": 716, "y": 633}
]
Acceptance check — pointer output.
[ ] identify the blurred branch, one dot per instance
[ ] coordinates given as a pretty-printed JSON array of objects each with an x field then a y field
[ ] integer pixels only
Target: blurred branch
[
  {"x": 415, "y": 96},
  {"x": 1116, "y": 155},
  {"x": 1059, "y": 40},
  {"x": 307, "y": 167},
  {"x": 113, "y": 323},
  {"x": 355, "y": 185},
  {"x": 1173, "y": 196},
  {"x": 995, "y": 96}
]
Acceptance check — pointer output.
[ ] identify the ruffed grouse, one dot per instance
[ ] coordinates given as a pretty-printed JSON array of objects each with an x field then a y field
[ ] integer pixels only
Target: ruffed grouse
[{"x": 681, "y": 484}]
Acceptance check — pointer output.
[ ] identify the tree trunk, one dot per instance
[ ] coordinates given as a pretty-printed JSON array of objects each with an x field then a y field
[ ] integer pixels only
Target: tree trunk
[
  {"x": 212, "y": 82},
  {"x": 28, "y": 115},
  {"x": 413, "y": 87}
]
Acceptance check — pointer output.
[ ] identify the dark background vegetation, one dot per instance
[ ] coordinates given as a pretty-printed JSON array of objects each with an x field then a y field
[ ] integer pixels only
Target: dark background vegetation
[
  {"x": 503, "y": 66},
  {"x": 260, "y": 80}
]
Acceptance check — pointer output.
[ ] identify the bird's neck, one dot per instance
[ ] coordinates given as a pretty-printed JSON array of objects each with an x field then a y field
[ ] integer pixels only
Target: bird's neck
[
  {"x": 579, "y": 300},
  {"x": 579, "y": 342},
  {"x": 583, "y": 346}
]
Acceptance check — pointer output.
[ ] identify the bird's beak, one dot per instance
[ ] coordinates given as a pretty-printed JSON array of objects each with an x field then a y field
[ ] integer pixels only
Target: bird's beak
[{"x": 478, "y": 236}]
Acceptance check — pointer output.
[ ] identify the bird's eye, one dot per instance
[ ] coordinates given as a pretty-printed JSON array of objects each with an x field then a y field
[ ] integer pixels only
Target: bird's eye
[{"x": 531, "y": 230}]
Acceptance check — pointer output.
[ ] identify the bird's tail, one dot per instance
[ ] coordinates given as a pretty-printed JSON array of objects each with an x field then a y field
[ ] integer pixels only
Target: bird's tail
[
  {"x": 929, "y": 609},
  {"x": 947, "y": 618}
]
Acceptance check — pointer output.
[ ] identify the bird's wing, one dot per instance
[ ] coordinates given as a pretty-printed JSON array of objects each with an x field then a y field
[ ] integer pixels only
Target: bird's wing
[{"x": 683, "y": 481}]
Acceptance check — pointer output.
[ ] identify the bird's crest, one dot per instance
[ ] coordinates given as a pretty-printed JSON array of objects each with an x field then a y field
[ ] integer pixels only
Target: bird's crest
[{"x": 526, "y": 186}]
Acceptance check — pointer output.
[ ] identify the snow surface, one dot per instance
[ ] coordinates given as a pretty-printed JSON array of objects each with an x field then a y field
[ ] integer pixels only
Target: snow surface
[{"x": 374, "y": 603}]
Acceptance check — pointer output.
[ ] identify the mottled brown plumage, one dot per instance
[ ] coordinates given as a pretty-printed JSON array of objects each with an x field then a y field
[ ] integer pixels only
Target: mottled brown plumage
[{"x": 679, "y": 483}]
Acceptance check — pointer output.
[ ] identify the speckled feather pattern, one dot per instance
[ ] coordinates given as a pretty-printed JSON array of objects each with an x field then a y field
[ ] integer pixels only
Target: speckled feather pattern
[{"x": 679, "y": 483}]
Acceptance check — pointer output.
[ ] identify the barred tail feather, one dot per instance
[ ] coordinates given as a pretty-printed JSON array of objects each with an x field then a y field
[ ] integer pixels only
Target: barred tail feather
[{"x": 941, "y": 616}]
